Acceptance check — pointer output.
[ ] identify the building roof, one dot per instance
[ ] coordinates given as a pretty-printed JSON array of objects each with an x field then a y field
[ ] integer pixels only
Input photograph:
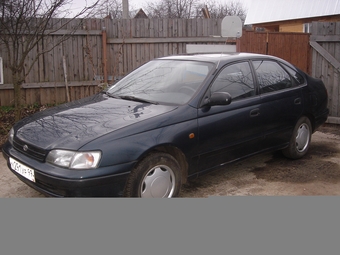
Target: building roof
[
  {"x": 265, "y": 11},
  {"x": 141, "y": 14}
]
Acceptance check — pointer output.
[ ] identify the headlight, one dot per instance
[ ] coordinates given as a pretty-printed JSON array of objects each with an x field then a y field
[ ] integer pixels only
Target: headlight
[
  {"x": 74, "y": 160},
  {"x": 11, "y": 135}
]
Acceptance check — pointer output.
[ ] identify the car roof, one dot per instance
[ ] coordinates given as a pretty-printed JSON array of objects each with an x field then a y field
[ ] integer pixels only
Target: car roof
[{"x": 220, "y": 57}]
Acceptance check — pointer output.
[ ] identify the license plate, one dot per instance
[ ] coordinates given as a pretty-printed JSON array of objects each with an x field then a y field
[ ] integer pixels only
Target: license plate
[{"x": 22, "y": 169}]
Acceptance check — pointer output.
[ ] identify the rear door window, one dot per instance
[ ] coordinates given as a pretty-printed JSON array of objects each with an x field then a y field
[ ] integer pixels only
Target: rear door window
[{"x": 271, "y": 76}]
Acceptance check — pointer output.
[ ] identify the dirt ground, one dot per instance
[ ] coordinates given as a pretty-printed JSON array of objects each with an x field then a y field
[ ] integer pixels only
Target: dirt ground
[{"x": 271, "y": 174}]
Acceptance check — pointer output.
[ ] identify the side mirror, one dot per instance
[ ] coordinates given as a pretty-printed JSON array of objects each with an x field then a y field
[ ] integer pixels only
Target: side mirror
[{"x": 218, "y": 98}]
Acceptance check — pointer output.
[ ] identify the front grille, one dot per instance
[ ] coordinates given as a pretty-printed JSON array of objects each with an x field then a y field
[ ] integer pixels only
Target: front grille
[{"x": 30, "y": 150}]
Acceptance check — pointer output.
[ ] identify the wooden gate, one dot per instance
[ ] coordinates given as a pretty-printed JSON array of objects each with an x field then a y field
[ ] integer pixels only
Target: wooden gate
[
  {"x": 293, "y": 47},
  {"x": 325, "y": 42}
]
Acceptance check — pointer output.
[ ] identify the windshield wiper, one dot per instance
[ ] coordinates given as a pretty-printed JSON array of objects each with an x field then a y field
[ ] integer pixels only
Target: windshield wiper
[
  {"x": 137, "y": 99},
  {"x": 132, "y": 98}
]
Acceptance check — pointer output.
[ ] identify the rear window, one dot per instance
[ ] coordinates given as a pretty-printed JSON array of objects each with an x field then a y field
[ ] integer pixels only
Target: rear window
[{"x": 298, "y": 78}]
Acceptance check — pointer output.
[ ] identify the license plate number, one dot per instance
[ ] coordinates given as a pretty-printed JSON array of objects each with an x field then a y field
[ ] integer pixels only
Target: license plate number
[{"x": 21, "y": 169}]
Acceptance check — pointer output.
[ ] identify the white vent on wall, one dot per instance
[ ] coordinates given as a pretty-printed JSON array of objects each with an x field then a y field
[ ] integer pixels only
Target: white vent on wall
[{"x": 1, "y": 72}]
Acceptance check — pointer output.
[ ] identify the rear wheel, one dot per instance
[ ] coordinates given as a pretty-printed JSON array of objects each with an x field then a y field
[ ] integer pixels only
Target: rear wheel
[
  {"x": 300, "y": 140},
  {"x": 157, "y": 175}
]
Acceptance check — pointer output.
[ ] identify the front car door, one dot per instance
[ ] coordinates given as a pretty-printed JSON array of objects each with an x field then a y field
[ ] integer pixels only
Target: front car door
[{"x": 230, "y": 132}]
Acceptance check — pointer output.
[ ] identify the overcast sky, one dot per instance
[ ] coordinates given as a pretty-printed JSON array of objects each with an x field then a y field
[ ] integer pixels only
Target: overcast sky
[{"x": 77, "y": 5}]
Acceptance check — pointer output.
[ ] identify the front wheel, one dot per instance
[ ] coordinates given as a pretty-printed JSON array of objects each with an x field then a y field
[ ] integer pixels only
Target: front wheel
[
  {"x": 300, "y": 140},
  {"x": 157, "y": 175}
]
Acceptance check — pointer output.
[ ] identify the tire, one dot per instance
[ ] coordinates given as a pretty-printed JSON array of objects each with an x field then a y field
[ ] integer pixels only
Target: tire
[
  {"x": 157, "y": 175},
  {"x": 300, "y": 140}
]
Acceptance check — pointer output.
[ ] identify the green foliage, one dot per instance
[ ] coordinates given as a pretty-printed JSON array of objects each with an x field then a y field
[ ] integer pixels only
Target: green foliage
[{"x": 6, "y": 109}]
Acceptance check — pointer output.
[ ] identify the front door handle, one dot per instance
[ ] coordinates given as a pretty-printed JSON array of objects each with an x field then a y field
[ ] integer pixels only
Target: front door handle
[{"x": 255, "y": 112}]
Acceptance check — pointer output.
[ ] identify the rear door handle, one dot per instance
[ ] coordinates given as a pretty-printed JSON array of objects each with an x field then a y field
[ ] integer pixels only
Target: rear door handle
[
  {"x": 297, "y": 100},
  {"x": 255, "y": 112}
]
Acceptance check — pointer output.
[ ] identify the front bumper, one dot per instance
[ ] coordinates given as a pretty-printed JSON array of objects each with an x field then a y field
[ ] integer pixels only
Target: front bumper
[{"x": 109, "y": 185}]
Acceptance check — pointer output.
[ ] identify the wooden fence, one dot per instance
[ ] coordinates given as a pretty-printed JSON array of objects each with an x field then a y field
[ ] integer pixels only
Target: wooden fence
[
  {"x": 325, "y": 41},
  {"x": 127, "y": 44},
  {"x": 105, "y": 49}
]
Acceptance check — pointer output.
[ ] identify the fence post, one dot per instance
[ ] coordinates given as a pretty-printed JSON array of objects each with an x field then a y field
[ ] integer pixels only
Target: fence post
[
  {"x": 65, "y": 77},
  {"x": 104, "y": 57}
]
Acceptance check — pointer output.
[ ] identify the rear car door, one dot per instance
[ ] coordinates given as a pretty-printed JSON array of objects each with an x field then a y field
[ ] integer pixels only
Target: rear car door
[
  {"x": 229, "y": 132},
  {"x": 281, "y": 101}
]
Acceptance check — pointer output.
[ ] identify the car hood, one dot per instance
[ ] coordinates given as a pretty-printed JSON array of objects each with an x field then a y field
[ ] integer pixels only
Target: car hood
[{"x": 74, "y": 124}]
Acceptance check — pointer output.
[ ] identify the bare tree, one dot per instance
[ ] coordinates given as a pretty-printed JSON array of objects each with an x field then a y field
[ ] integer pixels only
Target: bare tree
[
  {"x": 219, "y": 10},
  {"x": 171, "y": 9},
  {"x": 186, "y": 9},
  {"x": 23, "y": 26},
  {"x": 108, "y": 8}
]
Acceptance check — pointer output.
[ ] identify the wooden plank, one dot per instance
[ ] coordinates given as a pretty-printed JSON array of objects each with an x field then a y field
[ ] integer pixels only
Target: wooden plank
[
  {"x": 147, "y": 27},
  {"x": 34, "y": 73},
  {"x": 166, "y": 51},
  {"x": 57, "y": 62},
  {"x": 313, "y": 71},
  {"x": 205, "y": 27},
  {"x": 97, "y": 55},
  {"x": 80, "y": 53},
  {"x": 50, "y": 60},
  {"x": 134, "y": 60},
  {"x": 50, "y": 85},
  {"x": 136, "y": 28},
  {"x": 94, "y": 64},
  {"x": 121, "y": 61},
  {"x": 166, "y": 40},
  {"x": 326, "y": 55},
  {"x": 129, "y": 64},
  {"x": 164, "y": 28},
  {"x": 71, "y": 32},
  {"x": 337, "y": 44},
  {"x": 336, "y": 94},
  {"x": 40, "y": 63},
  {"x": 6, "y": 97},
  {"x": 181, "y": 28},
  {"x": 74, "y": 67},
  {"x": 89, "y": 68},
  {"x": 175, "y": 48},
  {"x": 333, "y": 120},
  {"x": 140, "y": 53},
  {"x": 125, "y": 58},
  {"x": 199, "y": 26},
  {"x": 194, "y": 28},
  {"x": 149, "y": 54},
  {"x": 325, "y": 38},
  {"x": 175, "y": 23}
]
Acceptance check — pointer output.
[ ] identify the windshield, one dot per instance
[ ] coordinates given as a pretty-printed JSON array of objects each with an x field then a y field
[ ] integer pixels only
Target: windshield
[{"x": 162, "y": 81}]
